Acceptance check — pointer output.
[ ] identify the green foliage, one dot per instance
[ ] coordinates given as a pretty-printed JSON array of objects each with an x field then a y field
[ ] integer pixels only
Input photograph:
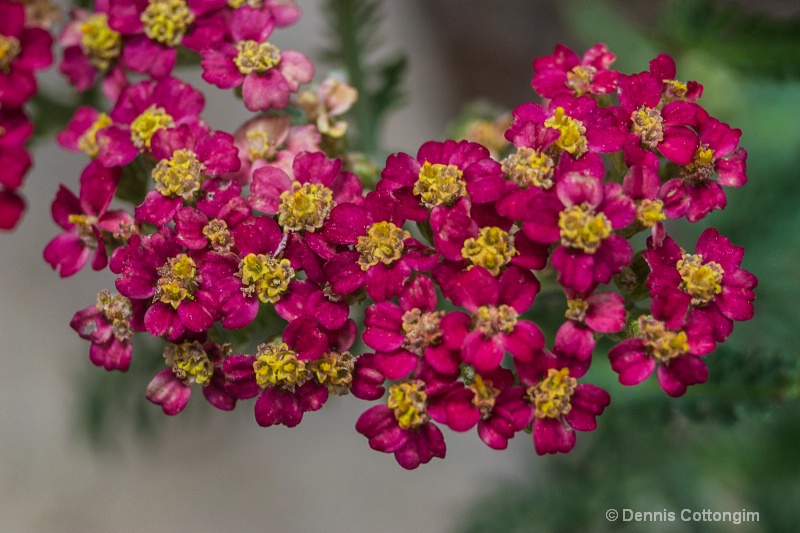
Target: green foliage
[{"x": 353, "y": 36}]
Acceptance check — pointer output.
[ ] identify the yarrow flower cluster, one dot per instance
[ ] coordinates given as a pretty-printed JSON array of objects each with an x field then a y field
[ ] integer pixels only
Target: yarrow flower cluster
[{"x": 270, "y": 232}]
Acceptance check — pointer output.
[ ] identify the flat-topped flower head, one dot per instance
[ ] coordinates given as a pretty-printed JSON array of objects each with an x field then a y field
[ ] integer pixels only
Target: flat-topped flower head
[
  {"x": 529, "y": 167},
  {"x": 383, "y": 243},
  {"x": 439, "y": 185},
  {"x": 189, "y": 362},
  {"x": 167, "y": 21},
  {"x": 99, "y": 43},
  {"x": 265, "y": 276},
  {"x": 492, "y": 249}
]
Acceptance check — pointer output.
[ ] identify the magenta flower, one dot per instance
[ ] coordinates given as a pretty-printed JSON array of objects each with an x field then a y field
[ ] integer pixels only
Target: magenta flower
[
  {"x": 83, "y": 219},
  {"x": 219, "y": 211},
  {"x": 11, "y": 208},
  {"x": 403, "y": 427},
  {"x": 441, "y": 174},
  {"x": 565, "y": 72},
  {"x": 561, "y": 406},
  {"x": 663, "y": 68},
  {"x": 653, "y": 127},
  {"x": 493, "y": 326},
  {"x": 491, "y": 401},
  {"x": 24, "y": 50},
  {"x": 674, "y": 351},
  {"x": 154, "y": 28},
  {"x": 287, "y": 385},
  {"x": 191, "y": 362},
  {"x": 157, "y": 269},
  {"x": 15, "y": 160},
  {"x": 642, "y": 184},
  {"x": 185, "y": 161},
  {"x": 384, "y": 254},
  {"x": 268, "y": 76},
  {"x": 706, "y": 290},
  {"x": 695, "y": 194},
  {"x": 107, "y": 325}
]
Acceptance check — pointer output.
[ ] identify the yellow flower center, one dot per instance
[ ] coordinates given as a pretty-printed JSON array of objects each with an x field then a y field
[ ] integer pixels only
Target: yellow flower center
[
  {"x": 408, "y": 401},
  {"x": 576, "y": 309},
  {"x": 439, "y": 184},
  {"x": 189, "y": 362},
  {"x": 305, "y": 207},
  {"x": 276, "y": 364},
  {"x": 484, "y": 396},
  {"x": 99, "y": 43},
  {"x": 182, "y": 175},
  {"x": 118, "y": 310},
  {"x": 492, "y": 320},
  {"x": 84, "y": 229},
  {"x": 702, "y": 166},
  {"x": 582, "y": 229},
  {"x": 650, "y": 212},
  {"x": 265, "y": 276},
  {"x": 492, "y": 249},
  {"x": 335, "y": 371},
  {"x": 259, "y": 146},
  {"x": 675, "y": 90},
  {"x": 551, "y": 396},
  {"x": 528, "y": 167},
  {"x": 256, "y": 57},
  {"x": 661, "y": 343},
  {"x": 572, "y": 138},
  {"x": 421, "y": 329},
  {"x": 579, "y": 79},
  {"x": 648, "y": 125},
  {"x": 218, "y": 235},
  {"x": 702, "y": 280},
  {"x": 167, "y": 21},
  {"x": 147, "y": 124},
  {"x": 177, "y": 282},
  {"x": 88, "y": 141},
  {"x": 9, "y": 50},
  {"x": 383, "y": 243}
]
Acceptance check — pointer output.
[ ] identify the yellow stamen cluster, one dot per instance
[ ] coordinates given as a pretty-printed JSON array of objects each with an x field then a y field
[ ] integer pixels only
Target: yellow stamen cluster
[
  {"x": 99, "y": 43},
  {"x": 256, "y": 57},
  {"x": 492, "y": 320},
  {"x": 305, "y": 207},
  {"x": 675, "y": 90},
  {"x": 167, "y": 21},
  {"x": 702, "y": 280},
  {"x": 181, "y": 175},
  {"x": 551, "y": 396},
  {"x": 439, "y": 185},
  {"x": 582, "y": 228},
  {"x": 383, "y": 243},
  {"x": 118, "y": 311},
  {"x": 189, "y": 362},
  {"x": 650, "y": 212},
  {"x": 259, "y": 146},
  {"x": 87, "y": 142},
  {"x": 492, "y": 249},
  {"x": 335, "y": 371},
  {"x": 661, "y": 343},
  {"x": 218, "y": 235},
  {"x": 573, "y": 133},
  {"x": 9, "y": 50},
  {"x": 83, "y": 225},
  {"x": 408, "y": 401},
  {"x": 485, "y": 396},
  {"x": 528, "y": 167},
  {"x": 702, "y": 166},
  {"x": 265, "y": 276},
  {"x": 648, "y": 125},
  {"x": 421, "y": 329},
  {"x": 278, "y": 365},
  {"x": 147, "y": 124},
  {"x": 177, "y": 282},
  {"x": 579, "y": 79},
  {"x": 576, "y": 309}
]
